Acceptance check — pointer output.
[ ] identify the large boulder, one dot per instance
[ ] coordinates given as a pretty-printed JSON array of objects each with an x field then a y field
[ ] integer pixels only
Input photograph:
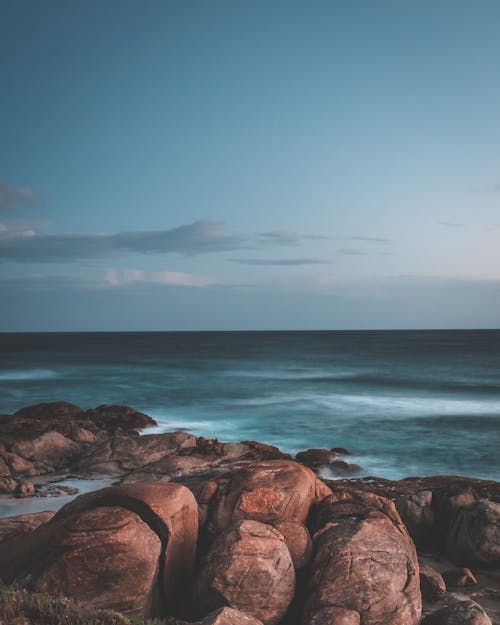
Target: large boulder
[
  {"x": 112, "y": 418},
  {"x": 298, "y": 540},
  {"x": 105, "y": 557},
  {"x": 365, "y": 568},
  {"x": 418, "y": 516},
  {"x": 51, "y": 450},
  {"x": 474, "y": 534},
  {"x": 206, "y": 457},
  {"x": 124, "y": 453},
  {"x": 269, "y": 491},
  {"x": 248, "y": 567},
  {"x": 145, "y": 535}
]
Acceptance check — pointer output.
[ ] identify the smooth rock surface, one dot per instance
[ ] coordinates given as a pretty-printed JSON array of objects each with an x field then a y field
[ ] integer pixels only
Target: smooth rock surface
[
  {"x": 364, "y": 568},
  {"x": 248, "y": 567}
]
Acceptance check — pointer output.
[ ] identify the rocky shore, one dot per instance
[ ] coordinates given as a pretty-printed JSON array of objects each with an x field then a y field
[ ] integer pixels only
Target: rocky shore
[{"x": 195, "y": 530}]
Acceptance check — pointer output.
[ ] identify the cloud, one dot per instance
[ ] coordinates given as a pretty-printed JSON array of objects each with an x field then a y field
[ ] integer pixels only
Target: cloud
[
  {"x": 371, "y": 239},
  {"x": 289, "y": 237},
  {"x": 350, "y": 251},
  {"x": 451, "y": 224},
  {"x": 120, "y": 277},
  {"x": 12, "y": 198},
  {"x": 278, "y": 261},
  {"x": 285, "y": 237},
  {"x": 200, "y": 237}
]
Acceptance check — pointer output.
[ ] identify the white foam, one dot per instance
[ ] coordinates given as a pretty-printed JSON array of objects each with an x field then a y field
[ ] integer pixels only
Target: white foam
[{"x": 15, "y": 375}]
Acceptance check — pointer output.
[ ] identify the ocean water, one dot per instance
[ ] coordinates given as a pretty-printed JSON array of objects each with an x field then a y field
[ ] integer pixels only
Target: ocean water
[{"x": 404, "y": 402}]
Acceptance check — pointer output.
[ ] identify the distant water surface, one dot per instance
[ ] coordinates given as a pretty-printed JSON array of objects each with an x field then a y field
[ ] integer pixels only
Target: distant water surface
[{"x": 405, "y": 403}]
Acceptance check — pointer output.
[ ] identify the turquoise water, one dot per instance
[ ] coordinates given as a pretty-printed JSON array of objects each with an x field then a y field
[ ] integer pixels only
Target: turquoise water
[{"x": 405, "y": 403}]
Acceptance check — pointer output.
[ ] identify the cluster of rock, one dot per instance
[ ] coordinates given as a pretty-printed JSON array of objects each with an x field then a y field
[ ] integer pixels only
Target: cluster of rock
[{"x": 238, "y": 533}]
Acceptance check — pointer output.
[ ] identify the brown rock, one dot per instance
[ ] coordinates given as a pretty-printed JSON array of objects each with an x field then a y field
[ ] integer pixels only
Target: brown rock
[
  {"x": 298, "y": 540},
  {"x": 123, "y": 453},
  {"x": 45, "y": 411},
  {"x": 82, "y": 435},
  {"x": 341, "y": 467},
  {"x": 140, "y": 526},
  {"x": 263, "y": 491},
  {"x": 8, "y": 485},
  {"x": 459, "y": 613},
  {"x": 341, "y": 451},
  {"x": 474, "y": 534},
  {"x": 229, "y": 616},
  {"x": 51, "y": 448},
  {"x": 418, "y": 516},
  {"x": 364, "y": 565},
  {"x": 459, "y": 577},
  {"x": 22, "y": 524},
  {"x": 111, "y": 418},
  {"x": 315, "y": 458},
  {"x": 20, "y": 466},
  {"x": 432, "y": 584},
  {"x": 248, "y": 567},
  {"x": 4, "y": 467},
  {"x": 25, "y": 489},
  {"x": 105, "y": 558}
]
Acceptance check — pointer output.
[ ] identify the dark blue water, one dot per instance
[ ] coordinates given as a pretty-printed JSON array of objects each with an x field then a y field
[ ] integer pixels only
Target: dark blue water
[{"x": 405, "y": 403}]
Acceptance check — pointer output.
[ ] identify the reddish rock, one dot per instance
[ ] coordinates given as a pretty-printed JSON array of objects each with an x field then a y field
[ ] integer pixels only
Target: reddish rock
[
  {"x": 315, "y": 458},
  {"x": 122, "y": 453},
  {"x": 298, "y": 540},
  {"x": 418, "y": 516},
  {"x": 432, "y": 584},
  {"x": 8, "y": 485},
  {"x": 22, "y": 524},
  {"x": 19, "y": 466},
  {"x": 25, "y": 489},
  {"x": 341, "y": 451},
  {"x": 263, "y": 491},
  {"x": 341, "y": 467},
  {"x": 474, "y": 534},
  {"x": 51, "y": 449},
  {"x": 459, "y": 577},
  {"x": 105, "y": 558},
  {"x": 229, "y": 616},
  {"x": 111, "y": 418},
  {"x": 248, "y": 567},
  {"x": 4, "y": 467},
  {"x": 364, "y": 568},
  {"x": 465, "y": 612},
  {"x": 119, "y": 534}
]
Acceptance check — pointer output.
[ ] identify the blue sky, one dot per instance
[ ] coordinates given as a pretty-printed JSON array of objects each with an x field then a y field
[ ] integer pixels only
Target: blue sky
[{"x": 177, "y": 165}]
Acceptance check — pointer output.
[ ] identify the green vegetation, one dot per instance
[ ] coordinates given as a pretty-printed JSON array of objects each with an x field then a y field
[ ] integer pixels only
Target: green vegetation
[{"x": 41, "y": 609}]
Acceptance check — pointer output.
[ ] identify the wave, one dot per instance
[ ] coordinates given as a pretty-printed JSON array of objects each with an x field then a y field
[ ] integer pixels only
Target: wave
[
  {"x": 415, "y": 406},
  {"x": 378, "y": 404},
  {"x": 19, "y": 375}
]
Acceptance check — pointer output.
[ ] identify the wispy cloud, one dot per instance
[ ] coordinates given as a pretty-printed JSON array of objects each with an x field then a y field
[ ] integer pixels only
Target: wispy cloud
[
  {"x": 289, "y": 237},
  {"x": 278, "y": 261},
  {"x": 13, "y": 198},
  {"x": 200, "y": 237},
  {"x": 350, "y": 251},
  {"x": 371, "y": 239},
  {"x": 451, "y": 224},
  {"x": 285, "y": 237},
  {"x": 121, "y": 277}
]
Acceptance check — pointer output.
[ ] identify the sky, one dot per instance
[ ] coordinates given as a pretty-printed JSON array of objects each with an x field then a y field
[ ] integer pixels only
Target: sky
[{"x": 226, "y": 164}]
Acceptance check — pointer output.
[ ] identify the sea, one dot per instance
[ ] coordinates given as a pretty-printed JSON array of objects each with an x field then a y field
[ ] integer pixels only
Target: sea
[{"x": 405, "y": 403}]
